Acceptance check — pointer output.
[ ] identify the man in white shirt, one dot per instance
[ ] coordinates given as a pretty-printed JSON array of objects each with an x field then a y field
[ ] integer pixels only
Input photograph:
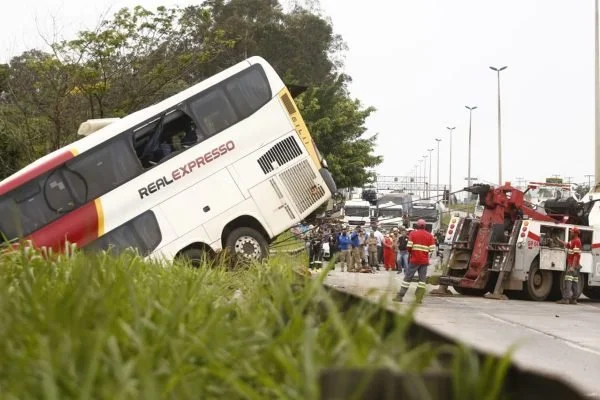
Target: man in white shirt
[{"x": 379, "y": 237}]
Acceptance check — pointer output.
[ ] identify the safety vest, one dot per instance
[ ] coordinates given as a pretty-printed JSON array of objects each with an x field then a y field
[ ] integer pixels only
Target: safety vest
[
  {"x": 573, "y": 252},
  {"x": 420, "y": 244}
]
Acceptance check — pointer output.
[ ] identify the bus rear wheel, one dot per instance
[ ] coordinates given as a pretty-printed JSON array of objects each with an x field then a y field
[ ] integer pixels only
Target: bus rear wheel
[
  {"x": 247, "y": 244},
  {"x": 195, "y": 257}
]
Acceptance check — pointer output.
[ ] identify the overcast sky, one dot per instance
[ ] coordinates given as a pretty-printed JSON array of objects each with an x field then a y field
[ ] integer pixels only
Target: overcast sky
[{"x": 420, "y": 62}]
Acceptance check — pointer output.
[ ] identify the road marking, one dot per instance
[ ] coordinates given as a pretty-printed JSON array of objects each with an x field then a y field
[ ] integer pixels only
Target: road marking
[{"x": 567, "y": 342}]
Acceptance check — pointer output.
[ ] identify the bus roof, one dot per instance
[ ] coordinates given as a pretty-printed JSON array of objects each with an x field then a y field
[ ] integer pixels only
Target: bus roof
[{"x": 57, "y": 157}]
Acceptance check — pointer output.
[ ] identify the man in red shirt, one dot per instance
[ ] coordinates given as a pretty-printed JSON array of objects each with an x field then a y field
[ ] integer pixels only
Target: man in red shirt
[
  {"x": 571, "y": 286},
  {"x": 420, "y": 245}
]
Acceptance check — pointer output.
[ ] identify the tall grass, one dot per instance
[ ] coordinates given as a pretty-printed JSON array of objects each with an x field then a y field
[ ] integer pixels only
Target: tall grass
[{"x": 121, "y": 328}]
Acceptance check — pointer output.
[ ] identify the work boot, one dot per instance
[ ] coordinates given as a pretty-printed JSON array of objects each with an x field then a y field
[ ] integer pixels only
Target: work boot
[
  {"x": 573, "y": 301},
  {"x": 563, "y": 301}
]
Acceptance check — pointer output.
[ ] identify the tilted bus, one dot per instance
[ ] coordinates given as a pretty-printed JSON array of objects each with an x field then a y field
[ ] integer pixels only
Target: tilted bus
[{"x": 226, "y": 163}]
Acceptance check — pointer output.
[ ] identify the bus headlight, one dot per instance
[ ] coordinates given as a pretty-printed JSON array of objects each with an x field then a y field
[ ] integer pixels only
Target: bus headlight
[{"x": 324, "y": 163}]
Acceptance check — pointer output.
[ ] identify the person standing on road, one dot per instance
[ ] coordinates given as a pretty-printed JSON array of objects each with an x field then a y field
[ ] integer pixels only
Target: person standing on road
[
  {"x": 379, "y": 237},
  {"x": 372, "y": 245},
  {"x": 402, "y": 251},
  {"x": 571, "y": 284},
  {"x": 344, "y": 246},
  {"x": 356, "y": 257},
  {"x": 388, "y": 253},
  {"x": 362, "y": 237},
  {"x": 420, "y": 245}
]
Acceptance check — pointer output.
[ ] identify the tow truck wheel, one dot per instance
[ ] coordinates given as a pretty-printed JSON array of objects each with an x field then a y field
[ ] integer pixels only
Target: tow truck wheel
[{"x": 539, "y": 282}]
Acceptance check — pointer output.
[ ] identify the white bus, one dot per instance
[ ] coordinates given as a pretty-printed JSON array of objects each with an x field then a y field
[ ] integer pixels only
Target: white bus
[{"x": 226, "y": 163}]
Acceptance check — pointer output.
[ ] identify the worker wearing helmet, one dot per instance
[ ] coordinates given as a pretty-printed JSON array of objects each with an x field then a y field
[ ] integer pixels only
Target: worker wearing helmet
[
  {"x": 420, "y": 245},
  {"x": 572, "y": 276}
]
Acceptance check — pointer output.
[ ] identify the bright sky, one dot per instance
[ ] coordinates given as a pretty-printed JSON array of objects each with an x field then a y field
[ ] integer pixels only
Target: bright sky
[{"x": 420, "y": 62}]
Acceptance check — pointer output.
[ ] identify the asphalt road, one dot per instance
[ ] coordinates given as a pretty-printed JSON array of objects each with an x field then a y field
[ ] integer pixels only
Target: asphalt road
[{"x": 556, "y": 339}]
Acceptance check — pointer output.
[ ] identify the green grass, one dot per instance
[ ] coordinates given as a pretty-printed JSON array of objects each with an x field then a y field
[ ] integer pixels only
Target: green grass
[{"x": 120, "y": 328}]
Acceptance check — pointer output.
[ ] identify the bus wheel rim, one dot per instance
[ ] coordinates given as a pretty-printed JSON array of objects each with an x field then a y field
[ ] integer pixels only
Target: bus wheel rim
[{"x": 248, "y": 247}]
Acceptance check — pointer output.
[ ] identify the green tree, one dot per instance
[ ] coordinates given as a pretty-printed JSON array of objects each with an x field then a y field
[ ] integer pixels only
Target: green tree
[
  {"x": 139, "y": 57},
  {"x": 337, "y": 122}
]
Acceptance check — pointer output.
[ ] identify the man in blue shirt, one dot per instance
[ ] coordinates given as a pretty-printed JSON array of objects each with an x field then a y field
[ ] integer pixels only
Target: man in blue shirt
[
  {"x": 344, "y": 245},
  {"x": 355, "y": 256}
]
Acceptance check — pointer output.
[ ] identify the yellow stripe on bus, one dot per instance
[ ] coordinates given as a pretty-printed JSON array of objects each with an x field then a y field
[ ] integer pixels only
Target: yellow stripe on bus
[
  {"x": 74, "y": 151},
  {"x": 100, "y": 212},
  {"x": 299, "y": 125}
]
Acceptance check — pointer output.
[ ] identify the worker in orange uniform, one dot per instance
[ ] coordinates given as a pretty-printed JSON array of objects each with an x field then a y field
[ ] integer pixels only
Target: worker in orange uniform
[
  {"x": 572, "y": 276},
  {"x": 420, "y": 245}
]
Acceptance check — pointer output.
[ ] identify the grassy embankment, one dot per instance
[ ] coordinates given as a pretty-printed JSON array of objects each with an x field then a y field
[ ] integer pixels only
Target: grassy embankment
[{"x": 122, "y": 328}]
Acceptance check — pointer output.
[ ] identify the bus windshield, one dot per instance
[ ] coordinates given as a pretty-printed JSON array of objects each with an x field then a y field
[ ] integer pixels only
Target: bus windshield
[{"x": 425, "y": 210}]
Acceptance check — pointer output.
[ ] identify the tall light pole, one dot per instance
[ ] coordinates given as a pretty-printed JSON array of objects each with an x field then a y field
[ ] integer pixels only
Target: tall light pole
[
  {"x": 470, "y": 120},
  {"x": 429, "y": 183},
  {"x": 437, "y": 183},
  {"x": 450, "y": 129},
  {"x": 597, "y": 96},
  {"x": 424, "y": 175},
  {"x": 498, "y": 70},
  {"x": 420, "y": 171}
]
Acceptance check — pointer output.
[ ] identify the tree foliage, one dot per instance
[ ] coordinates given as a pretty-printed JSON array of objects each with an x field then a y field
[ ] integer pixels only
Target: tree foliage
[{"x": 139, "y": 57}]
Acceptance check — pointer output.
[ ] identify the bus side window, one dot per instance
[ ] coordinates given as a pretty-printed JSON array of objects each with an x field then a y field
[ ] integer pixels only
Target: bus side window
[
  {"x": 249, "y": 91},
  {"x": 213, "y": 112},
  {"x": 141, "y": 233},
  {"x": 102, "y": 169},
  {"x": 157, "y": 142}
]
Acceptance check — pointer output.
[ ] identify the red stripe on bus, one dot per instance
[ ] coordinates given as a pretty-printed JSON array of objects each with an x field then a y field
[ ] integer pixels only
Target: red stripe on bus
[
  {"x": 79, "y": 227},
  {"x": 533, "y": 236},
  {"x": 35, "y": 172},
  {"x": 595, "y": 245}
]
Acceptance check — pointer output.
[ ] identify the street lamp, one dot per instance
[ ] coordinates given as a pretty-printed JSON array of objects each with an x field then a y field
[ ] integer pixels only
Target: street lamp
[
  {"x": 450, "y": 169},
  {"x": 437, "y": 183},
  {"x": 498, "y": 70},
  {"x": 429, "y": 184},
  {"x": 425, "y": 175},
  {"x": 470, "y": 120},
  {"x": 420, "y": 175}
]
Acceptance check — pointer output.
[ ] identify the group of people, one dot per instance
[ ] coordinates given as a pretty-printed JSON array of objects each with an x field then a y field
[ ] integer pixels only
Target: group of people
[{"x": 362, "y": 251}]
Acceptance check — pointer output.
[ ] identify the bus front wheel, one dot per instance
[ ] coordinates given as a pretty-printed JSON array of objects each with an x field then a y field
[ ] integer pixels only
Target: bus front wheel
[{"x": 247, "y": 244}]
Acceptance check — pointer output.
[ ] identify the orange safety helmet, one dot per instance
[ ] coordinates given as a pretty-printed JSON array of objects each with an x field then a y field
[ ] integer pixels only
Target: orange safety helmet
[{"x": 421, "y": 223}]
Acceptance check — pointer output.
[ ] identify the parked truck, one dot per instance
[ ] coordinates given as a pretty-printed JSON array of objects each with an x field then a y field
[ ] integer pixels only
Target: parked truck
[{"x": 513, "y": 250}]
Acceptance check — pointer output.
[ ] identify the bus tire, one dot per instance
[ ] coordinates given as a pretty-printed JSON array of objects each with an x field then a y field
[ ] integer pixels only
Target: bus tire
[
  {"x": 195, "y": 256},
  {"x": 247, "y": 244},
  {"x": 539, "y": 282}
]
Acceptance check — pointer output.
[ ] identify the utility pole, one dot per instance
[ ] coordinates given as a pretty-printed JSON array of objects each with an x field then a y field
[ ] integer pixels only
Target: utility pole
[
  {"x": 420, "y": 173},
  {"x": 568, "y": 178},
  {"x": 470, "y": 123},
  {"x": 429, "y": 183},
  {"x": 437, "y": 183},
  {"x": 520, "y": 182},
  {"x": 498, "y": 70},
  {"x": 450, "y": 129}
]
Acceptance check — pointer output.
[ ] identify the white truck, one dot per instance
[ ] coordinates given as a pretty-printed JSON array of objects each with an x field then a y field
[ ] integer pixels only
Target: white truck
[{"x": 357, "y": 212}]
